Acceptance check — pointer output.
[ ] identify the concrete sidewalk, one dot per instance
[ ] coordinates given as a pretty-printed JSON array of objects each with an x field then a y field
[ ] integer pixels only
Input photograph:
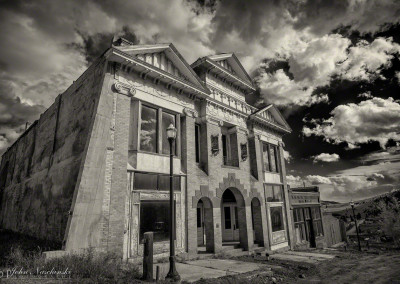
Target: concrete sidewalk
[
  {"x": 299, "y": 256},
  {"x": 209, "y": 268}
]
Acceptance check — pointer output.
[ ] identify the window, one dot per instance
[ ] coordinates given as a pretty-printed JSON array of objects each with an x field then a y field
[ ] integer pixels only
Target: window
[
  {"x": 148, "y": 130},
  {"x": 276, "y": 219},
  {"x": 253, "y": 158},
  {"x": 197, "y": 141},
  {"x": 199, "y": 225},
  {"x": 153, "y": 181},
  {"x": 227, "y": 212},
  {"x": 167, "y": 120},
  {"x": 154, "y": 217},
  {"x": 230, "y": 149},
  {"x": 317, "y": 222},
  {"x": 270, "y": 157},
  {"x": 273, "y": 193}
]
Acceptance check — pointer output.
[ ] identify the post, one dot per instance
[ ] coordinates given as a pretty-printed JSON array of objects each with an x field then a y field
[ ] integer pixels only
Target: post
[
  {"x": 172, "y": 273},
  {"x": 148, "y": 257},
  {"x": 355, "y": 222}
]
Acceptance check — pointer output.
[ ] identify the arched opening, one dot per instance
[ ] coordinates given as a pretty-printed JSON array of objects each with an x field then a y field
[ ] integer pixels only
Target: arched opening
[
  {"x": 257, "y": 221},
  {"x": 205, "y": 226},
  {"x": 233, "y": 218}
]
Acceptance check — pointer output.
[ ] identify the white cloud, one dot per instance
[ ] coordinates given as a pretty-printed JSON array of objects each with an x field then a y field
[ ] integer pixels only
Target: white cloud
[
  {"x": 366, "y": 95},
  {"x": 317, "y": 179},
  {"x": 365, "y": 60},
  {"x": 325, "y": 157},
  {"x": 376, "y": 119},
  {"x": 294, "y": 181},
  {"x": 287, "y": 156}
]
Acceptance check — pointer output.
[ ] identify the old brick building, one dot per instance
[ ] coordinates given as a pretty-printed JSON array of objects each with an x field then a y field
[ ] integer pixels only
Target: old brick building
[{"x": 93, "y": 170}]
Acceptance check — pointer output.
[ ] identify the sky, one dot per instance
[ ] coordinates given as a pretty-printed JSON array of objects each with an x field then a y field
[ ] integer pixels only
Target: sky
[{"x": 331, "y": 67}]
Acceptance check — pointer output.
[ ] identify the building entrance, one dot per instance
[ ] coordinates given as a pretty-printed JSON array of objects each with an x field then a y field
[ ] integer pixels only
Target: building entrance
[{"x": 230, "y": 222}]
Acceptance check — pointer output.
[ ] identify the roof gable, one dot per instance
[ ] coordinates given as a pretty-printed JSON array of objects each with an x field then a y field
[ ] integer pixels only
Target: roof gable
[
  {"x": 230, "y": 62},
  {"x": 271, "y": 114},
  {"x": 164, "y": 57}
]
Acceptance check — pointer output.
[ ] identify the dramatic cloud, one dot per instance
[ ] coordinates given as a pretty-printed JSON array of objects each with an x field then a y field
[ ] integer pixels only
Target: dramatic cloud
[
  {"x": 325, "y": 157},
  {"x": 287, "y": 156},
  {"x": 365, "y": 60},
  {"x": 376, "y": 119},
  {"x": 313, "y": 63}
]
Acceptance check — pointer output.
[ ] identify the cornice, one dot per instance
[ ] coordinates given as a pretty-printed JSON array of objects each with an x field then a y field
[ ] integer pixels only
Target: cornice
[{"x": 130, "y": 62}]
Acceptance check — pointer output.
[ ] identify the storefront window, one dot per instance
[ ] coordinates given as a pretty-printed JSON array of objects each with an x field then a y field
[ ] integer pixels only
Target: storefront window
[
  {"x": 154, "y": 217},
  {"x": 148, "y": 130},
  {"x": 276, "y": 219},
  {"x": 153, "y": 181}
]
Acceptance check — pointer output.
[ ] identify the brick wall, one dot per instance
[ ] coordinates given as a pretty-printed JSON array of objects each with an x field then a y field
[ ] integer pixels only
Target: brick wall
[{"x": 44, "y": 163}]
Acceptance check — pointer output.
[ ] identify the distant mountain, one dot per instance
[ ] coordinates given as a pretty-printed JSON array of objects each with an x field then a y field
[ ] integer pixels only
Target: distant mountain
[{"x": 327, "y": 202}]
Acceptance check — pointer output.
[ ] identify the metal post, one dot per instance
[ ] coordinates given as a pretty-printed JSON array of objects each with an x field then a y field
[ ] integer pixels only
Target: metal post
[
  {"x": 355, "y": 221},
  {"x": 172, "y": 273}
]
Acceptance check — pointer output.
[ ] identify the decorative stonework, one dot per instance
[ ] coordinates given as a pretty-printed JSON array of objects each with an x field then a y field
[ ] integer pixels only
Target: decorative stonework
[
  {"x": 205, "y": 192},
  {"x": 230, "y": 181},
  {"x": 253, "y": 193},
  {"x": 125, "y": 89},
  {"x": 190, "y": 112}
]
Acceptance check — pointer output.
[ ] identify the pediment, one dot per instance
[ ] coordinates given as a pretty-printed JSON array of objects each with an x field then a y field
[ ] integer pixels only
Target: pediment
[
  {"x": 164, "y": 57},
  {"x": 230, "y": 62},
  {"x": 271, "y": 114}
]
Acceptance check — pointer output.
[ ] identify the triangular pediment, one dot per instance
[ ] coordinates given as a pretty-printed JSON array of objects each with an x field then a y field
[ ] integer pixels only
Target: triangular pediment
[
  {"x": 166, "y": 58},
  {"x": 271, "y": 114},
  {"x": 230, "y": 62}
]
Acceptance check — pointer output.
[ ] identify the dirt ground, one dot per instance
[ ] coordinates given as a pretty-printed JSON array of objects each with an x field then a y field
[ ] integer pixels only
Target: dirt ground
[{"x": 347, "y": 267}]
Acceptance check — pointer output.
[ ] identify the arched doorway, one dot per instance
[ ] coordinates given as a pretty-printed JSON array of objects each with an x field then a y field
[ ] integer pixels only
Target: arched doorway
[
  {"x": 233, "y": 218},
  {"x": 257, "y": 221},
  {"x": 230, "y": 218},
  {"x": 205, "y": 225}
]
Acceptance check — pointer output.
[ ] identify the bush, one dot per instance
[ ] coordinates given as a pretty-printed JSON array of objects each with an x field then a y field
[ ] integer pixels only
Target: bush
[
  {"x": 87, "y": 267},
  {"x": 390, "y": 214}
]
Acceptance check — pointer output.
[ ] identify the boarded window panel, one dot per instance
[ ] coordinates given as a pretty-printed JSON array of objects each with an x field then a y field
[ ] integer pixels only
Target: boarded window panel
[
  {"x": 148, "y": 130},
  {"x": 167, "y": 120}
]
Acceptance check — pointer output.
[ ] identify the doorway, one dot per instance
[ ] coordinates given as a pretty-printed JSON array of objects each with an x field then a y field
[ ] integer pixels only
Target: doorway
[{"x": 230, "y": 222}]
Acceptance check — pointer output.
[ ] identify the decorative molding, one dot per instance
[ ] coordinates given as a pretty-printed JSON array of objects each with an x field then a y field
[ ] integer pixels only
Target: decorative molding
[
  {"x": 125, "y": 89},
  {"x": 190, "y": 112}
]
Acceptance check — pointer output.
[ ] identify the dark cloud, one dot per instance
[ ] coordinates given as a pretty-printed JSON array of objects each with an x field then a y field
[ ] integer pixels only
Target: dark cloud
[{"x": 94, "y": 45}]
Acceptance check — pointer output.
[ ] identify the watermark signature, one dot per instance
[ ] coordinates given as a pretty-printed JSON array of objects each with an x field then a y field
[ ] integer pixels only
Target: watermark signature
[{"x": 20, "y": 272}]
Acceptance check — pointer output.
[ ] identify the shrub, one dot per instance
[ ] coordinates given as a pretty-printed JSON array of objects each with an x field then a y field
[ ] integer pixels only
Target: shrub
[
  {"x": 87, "y": 267},
  {"x": 390, "y": 214}
]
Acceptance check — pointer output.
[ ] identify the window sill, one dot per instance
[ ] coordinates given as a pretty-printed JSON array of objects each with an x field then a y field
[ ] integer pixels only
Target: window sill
[
  {"x": 157, "y": 154},
  {"x": 231, "y": 167}
]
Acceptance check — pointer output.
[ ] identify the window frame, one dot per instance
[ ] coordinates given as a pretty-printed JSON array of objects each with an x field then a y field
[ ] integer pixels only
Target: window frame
[
  {"x": 159, "y": 126},
  {"x": 227, "y": 147},
  {"x": 158, "y": 187},
  {"x": 197, "y": 143},
  {"x": 275, "y": 149}
]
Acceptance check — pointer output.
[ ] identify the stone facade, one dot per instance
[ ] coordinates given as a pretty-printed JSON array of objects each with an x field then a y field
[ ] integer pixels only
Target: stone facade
[{"x": 105, "y": 135}]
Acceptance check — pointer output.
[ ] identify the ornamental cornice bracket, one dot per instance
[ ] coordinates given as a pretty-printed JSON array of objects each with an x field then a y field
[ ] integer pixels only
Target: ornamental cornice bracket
[
  {"x": 125, "y": 89},
  {"x": 190, "y": 112}
]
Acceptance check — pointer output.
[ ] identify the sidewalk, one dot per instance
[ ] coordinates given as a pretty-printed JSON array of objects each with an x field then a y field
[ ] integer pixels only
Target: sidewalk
[{"x": 209, "y": 268}]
